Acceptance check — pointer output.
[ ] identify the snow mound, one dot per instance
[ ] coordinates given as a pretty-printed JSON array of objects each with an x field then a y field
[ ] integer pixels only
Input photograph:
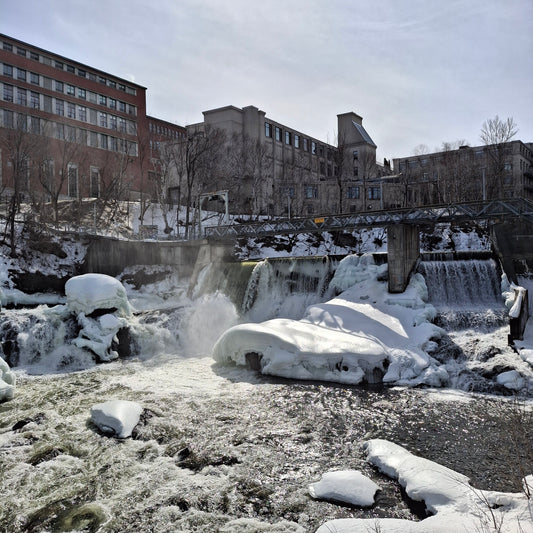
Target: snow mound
[
  {"x": 7, "y": 382},
  {"x": 455, "y": 505},
  {"x": 117, "y": 417},
  {"x": 89, "y": 292},
  {"x": 347, "y": 486},
  {"x": 364, "y": 334}
]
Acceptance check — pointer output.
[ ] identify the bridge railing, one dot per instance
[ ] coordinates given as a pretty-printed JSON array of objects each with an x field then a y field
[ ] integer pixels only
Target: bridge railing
[{"x": 481, "y": 210}]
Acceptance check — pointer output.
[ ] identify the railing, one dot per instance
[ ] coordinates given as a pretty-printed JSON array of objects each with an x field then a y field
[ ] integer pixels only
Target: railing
[{"x": 482, "y": 210}]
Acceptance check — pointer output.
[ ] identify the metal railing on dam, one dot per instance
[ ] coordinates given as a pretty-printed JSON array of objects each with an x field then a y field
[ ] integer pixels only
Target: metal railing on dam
[{"x": 481, "y": 210}]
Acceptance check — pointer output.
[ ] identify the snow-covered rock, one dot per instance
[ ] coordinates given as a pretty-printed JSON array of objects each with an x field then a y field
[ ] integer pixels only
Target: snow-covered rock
[
  {"x": 117, "y": 417},
  {"x": 89, "y": 292},
  {"x": 455, "y": 505},
  {"x": 363, "y": 334},
  {"x": 7, "y": 382},
  {"x": 347, "y": 486}
]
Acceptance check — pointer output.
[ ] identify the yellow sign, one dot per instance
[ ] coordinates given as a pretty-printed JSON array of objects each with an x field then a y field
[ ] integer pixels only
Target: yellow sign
[{"x": 319, "y": 220}]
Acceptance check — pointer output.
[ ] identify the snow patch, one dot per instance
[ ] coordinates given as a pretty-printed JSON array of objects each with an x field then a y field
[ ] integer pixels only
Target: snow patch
[{"x": 117, "y": 417}]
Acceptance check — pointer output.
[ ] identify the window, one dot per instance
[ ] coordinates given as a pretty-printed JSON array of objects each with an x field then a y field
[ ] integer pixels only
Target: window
[
  {"x": 352, "y": 193},
  {"x": 102, "y": 100},
  {"x": 70, "y": 89},
  {"x": 73, "y": 181},
  {"x": 121, "y": 87},
  {"x": 112, "y": 103},
  {"x": 82, "y": 136},
  {"x": 8, "y": 92},
  {"x": 132, "y": 110},
  {"x": 355, "y": 155},
  {"x": 92, "y": 97},
  {"x": 311, "y": 191},
  {"x": 58, "y": 65},
  {"x": 296, "y": 141},
  {"x": 374, "y": 193},
  {"x": 322, "y": 168},
  {"x": 313, "y": 147},
  {"x": 71, "y": 134},
  {"x": 34, "y": 78},
  {"x": 113, "y": 144},
  {"x": 103, "y": 120},
  {"x": 35, "y": 125},
  {"x": 34, "y": 56},
  {"x": 306, "y": 145},
  {"x": 103, "y": 141},
  {"x": 93, "y": 139},
  {"x": 508, "y": 167},
  {"x": 288, "y": 137},
  {"x": 81, "y": 93},
  {"x": 330, "y": 170},
  {"x": 8, "y": 47},
  {"x": 122, "y": 107},
  {"x": 59, "y": 86},
  {"x": 112, "y": 84},
  {"x": 21, "y": 97},
  {"x": 132, "y": 127},
  {"x": 21, "y": 74},
  {"x": 70, "y": 69},
  {"x": 47, "y": 82},
  {"x": 71, "y": 110},
  {"x": 60, "y": 132},
  {"x": 356, "y": 171},
  {"x": 321, "y": 150},
  {"x": 290, "y": 192},
  {"x": 60, "y": 107},
  {"x": 8, "y": 71},
  {"x": 82, "y": 73},
  {"x": 95, "y": 183},
  {"x": 268, "y": 129},
  {"x": 112, "y": 122},
  {"x": 278, "y": 133},
  {"x": 82, "y": 113},
  {"x": 8, "y": 118},
  {"x": 21, "y": 51},
  {"x": 102, "y": 80}
]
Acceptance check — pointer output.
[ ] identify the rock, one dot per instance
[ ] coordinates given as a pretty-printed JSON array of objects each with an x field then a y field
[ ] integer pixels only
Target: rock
[{"x": 116, "y": 417}]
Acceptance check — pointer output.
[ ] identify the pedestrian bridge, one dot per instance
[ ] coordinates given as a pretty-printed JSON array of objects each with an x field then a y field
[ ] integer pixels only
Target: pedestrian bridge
[{"x": 460, "y": 212}]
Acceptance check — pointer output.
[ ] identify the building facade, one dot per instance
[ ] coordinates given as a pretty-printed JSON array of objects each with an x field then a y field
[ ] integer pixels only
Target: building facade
[
  {"x": 285, "y": 172},
  {"x": 466, "y": 174},
  {"x": 70, "y": 130}
]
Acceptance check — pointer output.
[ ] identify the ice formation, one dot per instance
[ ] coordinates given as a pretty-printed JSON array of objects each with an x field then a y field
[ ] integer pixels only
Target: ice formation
[
  {"x": 453, "y": 503},
  {"x": 364, "y": 334},
  {"x": 347, "y": 486},
  {"x": 7, "y": 382},
  {"x": 117, "y": 417}
]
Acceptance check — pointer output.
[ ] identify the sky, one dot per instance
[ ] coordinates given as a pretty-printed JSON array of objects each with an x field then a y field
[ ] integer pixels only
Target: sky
[{"x": 419, "y": 72}]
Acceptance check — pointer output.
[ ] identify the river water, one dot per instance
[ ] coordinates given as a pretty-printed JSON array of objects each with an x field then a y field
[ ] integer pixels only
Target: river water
[{"x": 224, "y": 448}]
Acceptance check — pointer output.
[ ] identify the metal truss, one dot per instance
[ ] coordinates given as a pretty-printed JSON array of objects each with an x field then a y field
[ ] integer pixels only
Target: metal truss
[{"x": 482, "y": 210}]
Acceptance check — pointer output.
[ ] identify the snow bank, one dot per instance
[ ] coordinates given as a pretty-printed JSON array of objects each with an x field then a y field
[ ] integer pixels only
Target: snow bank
[
  {"x": 117, "y": 417},
  {"x": 455, "y": 505},
  {"x": 347, "y": 486},
  {"x": 89, "y": 292},
  {"x": 364, "y": 334},
  {"x": 7, "y": 382}
]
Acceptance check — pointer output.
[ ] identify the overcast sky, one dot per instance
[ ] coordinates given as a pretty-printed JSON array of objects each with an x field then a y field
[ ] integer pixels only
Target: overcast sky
[{"x": 417, "y": 71}]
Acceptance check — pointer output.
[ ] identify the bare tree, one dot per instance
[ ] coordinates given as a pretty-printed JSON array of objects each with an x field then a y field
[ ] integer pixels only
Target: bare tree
[{"x": 497, "y": 131}]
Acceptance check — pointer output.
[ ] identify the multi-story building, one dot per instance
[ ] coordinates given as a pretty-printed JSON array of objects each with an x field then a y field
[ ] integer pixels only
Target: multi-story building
[
  {"x": 280, "y": 170},
  {"x": 466, "y": 174}
]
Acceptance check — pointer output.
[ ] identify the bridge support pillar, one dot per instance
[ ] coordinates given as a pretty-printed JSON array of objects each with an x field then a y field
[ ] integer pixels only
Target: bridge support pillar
[{"x": 403, "y": 251}]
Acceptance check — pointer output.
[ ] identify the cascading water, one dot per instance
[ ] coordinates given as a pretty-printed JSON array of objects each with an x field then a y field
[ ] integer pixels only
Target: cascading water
[{"x": 465, "y": 292}]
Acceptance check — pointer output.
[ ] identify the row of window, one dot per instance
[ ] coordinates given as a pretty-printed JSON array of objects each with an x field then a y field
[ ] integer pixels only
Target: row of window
[
  {"x": 64, "y": 108},
  {"x": 296, "y": 140},
  {"x": 352, "y": 193},
  {"x": 158, "y": 129},
  {"x": 66, "y": 88},
  {"x": 64, "y": 132},
  {"x": 60, "y": 65}
]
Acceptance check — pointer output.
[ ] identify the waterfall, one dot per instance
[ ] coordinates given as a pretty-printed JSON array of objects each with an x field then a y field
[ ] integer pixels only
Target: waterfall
[{"x": 465, "y": 292}]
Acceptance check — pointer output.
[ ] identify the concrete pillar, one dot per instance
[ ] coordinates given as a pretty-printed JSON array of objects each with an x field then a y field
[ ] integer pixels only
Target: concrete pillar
[{"x": 403, "y": 251}]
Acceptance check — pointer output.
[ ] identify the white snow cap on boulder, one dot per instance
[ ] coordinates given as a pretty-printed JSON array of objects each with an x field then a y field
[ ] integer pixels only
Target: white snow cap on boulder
[
  {"x": 117, "y": 417},
  {"x": 89, "y": 292},
  {"x": 7, "y": 382}
]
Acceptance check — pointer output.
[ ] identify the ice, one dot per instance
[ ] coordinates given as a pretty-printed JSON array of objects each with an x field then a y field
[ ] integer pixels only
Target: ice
[
  {"x": 347, "y": 486},
  {"x": 363, "y": 334},
  {"x": 455, "y": 505},
  {"x": 7, "y": 382},
  {"x": 89, "y": 292},
  {"x": 117, "y": 417},
  {"x": 511, "y": 380}
]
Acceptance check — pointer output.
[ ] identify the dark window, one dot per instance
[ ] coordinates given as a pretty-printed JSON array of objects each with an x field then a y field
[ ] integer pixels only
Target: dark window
[
  {"x": 34, "y": 56},
  {"x": 374, "y": 193},
  {"x": 82, "y": 114},
  {"x": 60, "y": 107},
  {"x": 112, "y": 84},
  {"x": 21, "y": 97},
  {"x": 59, "y": 86},
  {"x": 121, "y": 87},
  {"x": 311, "y": 191},
  {"x": 8, "y": 71},
  {"x": 71, "y": 110},
  {"x": 70, "y": 69},
  {"x": 35, "y": 125},
  {"x": 21, "y": 51},
  {"x": 21, "y": 74},
  {"x": 102, "y": 80},
  {"x": 82, "y": 93},
  {"x": 8, "y": 118},
  {"x": 8, "y": 47},
  {"x": 95, "y": 183},
  {"x": 59, "y": 65},
  {"x": 268, "y": 129},
  {"x": 34, "y": 78},
  {"x": 288, "y": 137},
  {"x": 122, "y": 106},
  {"x": 278, "y": 133},
  {"x": 112, "y": 103},
  {"x": 322, "y": 168},
  {"x": 82, "y": 73},
  {"x": 296, "y": 141},
  {"x": 8, "y": 92},
  {"x": 321, "y": 151},
  {"x": 103, "y": 100},
  {"x": 313, "y": 147},
  {"x": 306, "y": 145},
  {"x": 70, "y": 89},
  {"x": 352, "y": 192},
  {"x": 73, "y": 182}
]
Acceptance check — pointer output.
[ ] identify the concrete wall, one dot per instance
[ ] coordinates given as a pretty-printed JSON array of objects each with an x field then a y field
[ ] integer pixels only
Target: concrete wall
[
  {"x": 403, "y": 242},
  {"x": 112, "y": 256}
]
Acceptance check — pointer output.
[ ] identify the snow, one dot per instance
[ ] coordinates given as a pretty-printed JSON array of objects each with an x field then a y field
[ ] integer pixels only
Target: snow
[
  {"x": 454, "y": 504},
  {"x": 117, "y": 417},
  {"x": 89, "y": 292},
  {"x": 346, "y": 486},
  {"x": 361, "y": 335},
  {"x": 7, "y": 382}
]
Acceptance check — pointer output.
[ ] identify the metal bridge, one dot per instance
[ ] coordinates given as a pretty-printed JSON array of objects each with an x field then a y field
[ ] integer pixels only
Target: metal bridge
[{"x": 482, "y": 210}]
